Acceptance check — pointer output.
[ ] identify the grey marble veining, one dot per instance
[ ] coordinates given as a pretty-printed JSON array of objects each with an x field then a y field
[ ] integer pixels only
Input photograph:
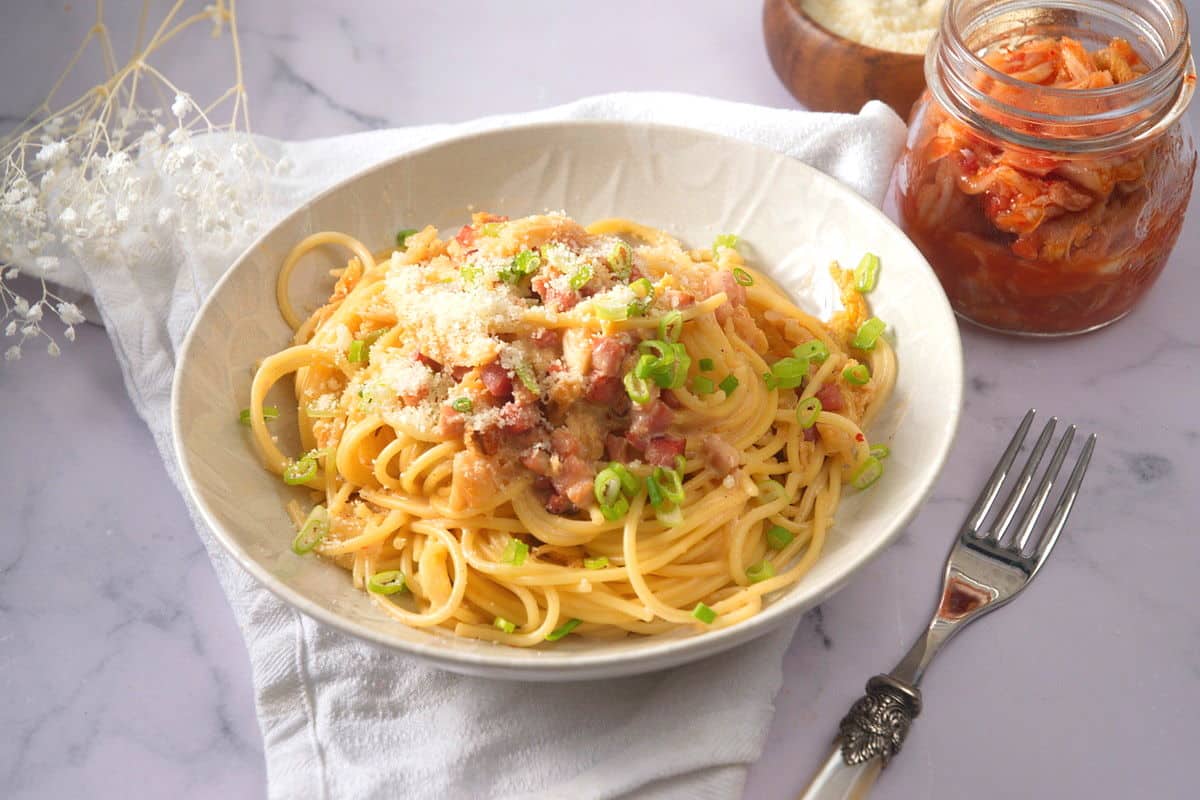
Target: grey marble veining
[{"x": 123, "y": 674}]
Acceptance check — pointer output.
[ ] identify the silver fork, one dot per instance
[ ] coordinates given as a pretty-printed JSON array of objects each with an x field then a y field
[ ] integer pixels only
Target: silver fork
[{"x": 985, "y": 570}]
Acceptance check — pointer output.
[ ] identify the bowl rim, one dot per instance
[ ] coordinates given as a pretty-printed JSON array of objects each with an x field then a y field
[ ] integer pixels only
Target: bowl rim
[
  {"x": 798, "y": 6},
  {"x": 570, "y": 665}
]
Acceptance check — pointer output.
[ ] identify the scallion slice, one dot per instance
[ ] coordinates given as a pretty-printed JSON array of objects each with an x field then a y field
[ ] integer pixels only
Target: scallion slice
[
  {"x": 595, "y": 563},
  {"x": 866, "y": 473},
  {"x": 357, "y": 354},
  {"x": 654, "y": 493},
  {"x": 670, "y": 326},
  {"x": 388, "y": 582},
  {"x": 463, "y": 405},
  {"x": 670, "y": 483},
  {"x": 611, "y": 313},
  {"x": 269, "y": 413},
  {"x": 504, "y": 625},
  {"x": 620, "y": 260},
  {"x": 563, "y": 630},
  {"x": 742, "y": 277},
  {"x": 581, "y": 277},
  {"x": 469, "y": 273},
  {"x": 704, "y": 614},
  {"x": 607, "y": 486},
  {"x": 402, "y": 237},
  {"x": 629, "y": 481},
  {"x": 761, "y": 571},
  {"x": 702, "y": 385},
  {"x": 302, "y": 470},
  {"x": 779, "y": 537},
  {"x": 524, "y": 263},
  {"x": 643, "y": 288},
  {"x": 637, "y": 388},
  {"x": 812, "y": 350},
  {"x": 729, "y": 240},
  {"x": 615, "y": 510},
  {"x": 728, "y": 384},
  {"x": 515, "y": 552},
  {"x": 808, "y": 411},
  {"x": 315, "y": 527},
  {"x": 525, "y": 373},
  {"x": 868, "y": 333},
  {"x": 866, "y": 274},
  {"x": 769, "y": 490},
  {"x": 672, "y": 515},
  {"x": 789, "y": 372},
  {"x": 880, "y": 451},
  {"x": 707, "y": 365},
  {"x": 857, "y": 375}
]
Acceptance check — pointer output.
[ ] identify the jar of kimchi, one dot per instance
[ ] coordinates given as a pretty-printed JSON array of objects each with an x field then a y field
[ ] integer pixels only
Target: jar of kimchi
[{"x": 1048, "y": 164}]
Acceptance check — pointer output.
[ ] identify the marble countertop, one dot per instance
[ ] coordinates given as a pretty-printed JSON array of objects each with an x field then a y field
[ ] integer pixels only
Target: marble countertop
[{"x": 120, "y": 664}]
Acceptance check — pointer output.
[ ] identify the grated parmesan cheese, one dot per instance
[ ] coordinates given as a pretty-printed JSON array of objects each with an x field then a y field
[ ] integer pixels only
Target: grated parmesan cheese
[{"x": 901, "y": 26}]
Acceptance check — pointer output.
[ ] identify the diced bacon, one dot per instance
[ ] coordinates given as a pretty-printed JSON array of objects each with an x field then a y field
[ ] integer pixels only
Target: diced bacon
[
  {"x": 436, "y": 366},
  {"x": 719, "y": 454},
  {"x": 459, "y": 372},
  {"x": 574, "y": 479},
  {"x": 496, "y": 380},
  {"x": 554, "y": 298},
  {"x": 616, "y": 448},
  {"x": 677, "y": 298},
  {"x": 415, "y": 395},
  {"x": 564, "y": 443},
  {"x": 537, "y": 460},
  {"x": 559, "y": 504},
  {"x": 451, "y": 423},
  {"x": 607, "y": 354},
  {"x": 518, "y": 418},
  {"x": 661, "y": 451},
  {"x": 542, "y": 483},
  {"x": 483, "y": 217},
  {"x": 723, "y": 281},
  {"x": 830, "y": 396},
  {"x": 605, "y": 391},
  {"x": 670, "y": 399},
  {"x": 547, "y": 338},
  {"x": 811, "y": 435},
  {"x": 486, "y": 441},
  {"x": 649, "y": 421},
  {"x": 466, "y": 236}
]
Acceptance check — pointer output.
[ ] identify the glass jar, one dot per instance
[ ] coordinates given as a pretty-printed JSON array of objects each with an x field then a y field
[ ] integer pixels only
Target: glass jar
[{"x": 1046, "y": 178}]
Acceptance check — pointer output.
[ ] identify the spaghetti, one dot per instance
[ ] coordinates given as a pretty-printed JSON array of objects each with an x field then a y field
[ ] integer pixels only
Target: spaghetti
[{"x": 532, "y": 429}]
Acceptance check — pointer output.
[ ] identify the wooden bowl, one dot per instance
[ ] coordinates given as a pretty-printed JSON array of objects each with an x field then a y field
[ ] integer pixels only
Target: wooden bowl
[{"x": 828, "y": 72}]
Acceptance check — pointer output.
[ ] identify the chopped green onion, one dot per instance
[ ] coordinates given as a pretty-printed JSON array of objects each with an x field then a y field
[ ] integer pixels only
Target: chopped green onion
[
  {"x": 729, "y": 240},
  {"x": 463, "y": 405},
  {"x": 672, "y": 515},
  {"x": 595, "y": 563},
  {"x": 770, "y": 490},
  {"x": 808, "y": 411},
  {"x": 868, "y": 334},
  {"x": 654, "y": 492},
  {"x": 581, "y": 277},
  {"x": 670, "y": 326},
  {"x": 707, "y": 365},
  {"x": 728, "y": 384},
  {"x": 313, "y": 531},
  {"x": 402, "y": 237},
  {"x": 812, "y": 350},
  {"x": 867, "y": 473},
  {"x": 504, "y": 625},
  {"x": 866, "y": 274},
  {"x": 629, "y": 482},
  {"x": 789, "y": 373},
  {"x": 563, "y": 630},
  {"x": 880, "y": 451},
  {"x": 649, "y": 366},
  {"x": 515, "y": 553},
  {"x": 761, "y": 571},
  {"x": 702, "y": 385},
  {"x": 358, "y": 352},
  {"x": 490, "y": 229},
  {"x": 610, "y": 312},
  {"x": 637, "y": 388},
  {"x": 670, "y": 483},
  {"x": 742, "y": 277},
  {"x": 525, "y": 373},
  {"x": 615, "y": 510},
  {"x": 388, "y": 582},
  {"x": 607, "y": 486},
  {"x": 302, "y": 470},
  {"x": 620, "y": 259},
  {"x": 663, "y": 362},
  {"x": 524, "y": 263},
  {"x": 469, "y": 273},
  {"x": 857, "y": 374},
  {"x": 643, "y": 288},
  {"x": 269, "y": 413},
  {"x": 704, "y": 614},
  {"x": 779, "y": 537}
]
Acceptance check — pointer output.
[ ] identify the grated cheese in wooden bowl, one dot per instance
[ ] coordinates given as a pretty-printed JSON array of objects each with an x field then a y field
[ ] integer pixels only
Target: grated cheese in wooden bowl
[{"x": 900, "y": 26}]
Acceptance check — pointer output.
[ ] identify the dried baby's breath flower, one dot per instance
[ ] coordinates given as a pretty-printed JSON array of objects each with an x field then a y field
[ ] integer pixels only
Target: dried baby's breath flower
[{"x": 111, "y": 172}]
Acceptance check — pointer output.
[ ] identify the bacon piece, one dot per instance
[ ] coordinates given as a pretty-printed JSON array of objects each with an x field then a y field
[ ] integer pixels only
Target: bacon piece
[
  {"x": 607, "y": 354},
  {"x": 574, "y": 479},
  {"x": 649, "y": 421},
  {"x": 452, "y": 423},
  {"x": 547, "y": 338},
  {"x": 559, "y": 504},
  {"x": 719, "y": 454},
  {"x": 616, "y": 448},
  {"x": 518, "y": 417},
  {"x": 496, "y": 380},
  {"x": 662, "y": 450},
  {"x": 459, "y": 372},
  {"x": 554, "y": 298},
  {"x": 436, "y": 366},
  {"x": 606, "y": 391},
  {"x": 537, "y": 460},
  {"x": 483, "y": 217},
  {"x": 486, "y": 441},
  {"x": 830, "y": 396},
  {"x": 564, "y": 443},
  {"x": 810, "y": 434},
  {"x": 670, "y": 399},
  {"x": 723, "y": 281},
  {"x": 466, "y": 236}
]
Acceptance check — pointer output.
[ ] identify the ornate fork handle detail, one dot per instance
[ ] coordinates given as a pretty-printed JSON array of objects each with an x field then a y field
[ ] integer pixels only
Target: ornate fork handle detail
[{"x": 879, "y": 720}]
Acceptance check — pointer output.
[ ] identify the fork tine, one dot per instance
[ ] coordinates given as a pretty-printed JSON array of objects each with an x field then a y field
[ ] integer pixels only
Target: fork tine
[
  {"x": 992, "y": 488},
  {"x": 1009, "y": 509},
  {"x": 1065, "y": 503},
  {"x": 1043, "y": 491}
]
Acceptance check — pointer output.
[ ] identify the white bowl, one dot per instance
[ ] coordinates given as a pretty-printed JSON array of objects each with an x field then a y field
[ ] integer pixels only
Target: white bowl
[{"x": 793, "y": 220}]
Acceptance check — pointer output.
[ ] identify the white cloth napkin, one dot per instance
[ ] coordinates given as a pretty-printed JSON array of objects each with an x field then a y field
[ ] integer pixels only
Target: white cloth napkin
[{"x": 342, "y": 719}]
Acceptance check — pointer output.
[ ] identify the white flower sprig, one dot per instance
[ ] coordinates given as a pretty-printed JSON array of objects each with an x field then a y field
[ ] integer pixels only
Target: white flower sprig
[{"x": 112, "y": 172}]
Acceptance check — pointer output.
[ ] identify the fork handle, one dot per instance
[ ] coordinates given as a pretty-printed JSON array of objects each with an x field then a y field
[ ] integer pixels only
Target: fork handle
[{"x": 868, "y": 736}]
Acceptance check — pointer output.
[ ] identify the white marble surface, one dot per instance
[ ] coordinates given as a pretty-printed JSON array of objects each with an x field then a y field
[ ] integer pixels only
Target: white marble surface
[{"x": 123, "y": 675}]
